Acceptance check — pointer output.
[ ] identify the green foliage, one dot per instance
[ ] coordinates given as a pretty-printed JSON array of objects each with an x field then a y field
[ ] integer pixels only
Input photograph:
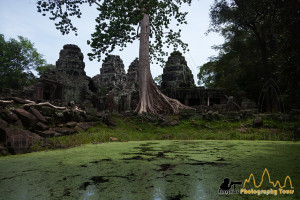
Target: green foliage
[
  {"x": 45, "y": 68},
  {"x": 158, "y": 80},
  {"x": 17, "y": 59},
  {"x": 117, "y": 23},
  {"x": 261, "y": 43}
]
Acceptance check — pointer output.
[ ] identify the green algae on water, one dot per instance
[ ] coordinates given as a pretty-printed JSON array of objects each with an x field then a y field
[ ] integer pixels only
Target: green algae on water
[{"x": 147, "y": 170}]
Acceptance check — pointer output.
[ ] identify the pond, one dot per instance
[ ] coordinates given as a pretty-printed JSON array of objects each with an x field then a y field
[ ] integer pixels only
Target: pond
[{"x": 158, "y": 170}]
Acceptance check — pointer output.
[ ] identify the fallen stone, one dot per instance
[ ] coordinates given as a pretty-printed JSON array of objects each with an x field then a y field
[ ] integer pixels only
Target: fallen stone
[
  {"x": 49, "y": 133},
  {"x": 242, "y": 130},
  {"x": 46, "y": 111},
  {"x": 28, "y": 119},
  {"x": 41, "y": 127},
  {"x": 49, "y": 120},
  {"x": 78, "y": 129},
  {"x": 194, "y": 123},
  {"x": 247, "y": 125},
  {"x": 71, "y": 124},
  {"x": 84, "y": 125},
  {"x": 19, "y": 141},
  {"x": 19, "y": 124},
  {"x": 60, "y": 146},
  {"x": 165, "y": 122},
  {"x": 38, "y": 115},
  {"x": 113, "y": 139},
  {"x": 9, "y": 116},
  {"x": 3, "y": 124},
  {"x": 257, "y": 123},
  {"x": 3, "y": 151},
  {"x": 174, "y": 123},
  {"x": 208, "y": 127},
  {"x": 139, "y": 129},
  {"x": 90, "y": 118},
  {"x": 93, "y": 123},
  {"x": 64, "y": 131},
  {"x": 108, "y": 121}
]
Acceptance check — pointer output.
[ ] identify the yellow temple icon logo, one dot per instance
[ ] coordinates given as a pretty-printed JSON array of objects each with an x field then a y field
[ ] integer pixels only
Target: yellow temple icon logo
[
  {"x": 276, "y": 184},
  {"x": 274, "y": 187}
]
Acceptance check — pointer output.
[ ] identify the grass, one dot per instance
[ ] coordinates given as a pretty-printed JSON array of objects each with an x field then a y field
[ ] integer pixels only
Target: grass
[{"x": 135, "y": 128}]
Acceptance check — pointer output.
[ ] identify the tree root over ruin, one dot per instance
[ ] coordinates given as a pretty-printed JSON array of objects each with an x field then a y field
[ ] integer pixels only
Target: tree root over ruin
[
  {"x": 154, "y": 101},
  {"x": 33, "y": 104},
  {"x": 27, "y": 103}
]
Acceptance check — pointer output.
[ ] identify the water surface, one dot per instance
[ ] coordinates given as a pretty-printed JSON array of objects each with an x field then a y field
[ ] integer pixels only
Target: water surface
[{"x": 158, "y": 170}]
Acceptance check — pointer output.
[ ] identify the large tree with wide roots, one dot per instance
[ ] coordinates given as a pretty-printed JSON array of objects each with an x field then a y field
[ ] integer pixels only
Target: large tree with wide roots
[{"x": 121, "y": 22}]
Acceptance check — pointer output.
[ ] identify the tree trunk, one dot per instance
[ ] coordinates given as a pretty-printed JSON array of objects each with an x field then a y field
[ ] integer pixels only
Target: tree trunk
[{"x": 151, "y": 99}]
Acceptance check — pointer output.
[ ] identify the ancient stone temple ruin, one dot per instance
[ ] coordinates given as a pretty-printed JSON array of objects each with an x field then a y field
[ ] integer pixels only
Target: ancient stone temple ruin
[
  {"x": 114, "y": 89},
  {"x": 176, "y": 73},
  {"x": 112, "y": 74},
  {"x": 178, "y": 83},
  {"x": 68, "y": 81},
  {"x": 132, "y": 76},
  {"x": 117, "y": 90}
]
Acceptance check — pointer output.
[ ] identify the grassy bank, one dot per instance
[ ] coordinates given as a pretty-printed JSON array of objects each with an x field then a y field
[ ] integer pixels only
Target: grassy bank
[{"x": 135, "y": 128}]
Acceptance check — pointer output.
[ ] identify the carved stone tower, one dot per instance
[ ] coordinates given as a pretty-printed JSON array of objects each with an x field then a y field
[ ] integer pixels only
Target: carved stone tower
[
  {"x": 71, "y": 61},
  {"x": 176, "y": 73}
]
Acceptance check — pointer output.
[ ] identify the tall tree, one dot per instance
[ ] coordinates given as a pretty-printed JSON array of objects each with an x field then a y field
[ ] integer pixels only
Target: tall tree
[
  {"x": 45, "y": 68},
  {"x": 17, "y": 60},
  {"x": 117, "y": 25},
  {"x": 261, "y": 44}
]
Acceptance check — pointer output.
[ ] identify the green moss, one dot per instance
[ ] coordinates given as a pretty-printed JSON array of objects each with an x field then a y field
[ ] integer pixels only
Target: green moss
[{"x": 147, "y": 170}]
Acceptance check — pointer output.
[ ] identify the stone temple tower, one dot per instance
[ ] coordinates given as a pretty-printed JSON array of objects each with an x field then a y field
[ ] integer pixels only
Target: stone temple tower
[
  {"x": 176, "y": 73},
  {"x": 71, "y": 61},
  {"x": 68, "y": 81},
  {"x": 112, "y": 74}
]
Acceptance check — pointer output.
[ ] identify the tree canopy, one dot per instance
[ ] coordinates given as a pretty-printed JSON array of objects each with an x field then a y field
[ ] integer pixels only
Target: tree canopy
[
  {"x": 17, "y": 60},
  {"x": 261, "y": 43},
  {"x": 121, "y": 22},
  {"x": 118, "y": 23}
]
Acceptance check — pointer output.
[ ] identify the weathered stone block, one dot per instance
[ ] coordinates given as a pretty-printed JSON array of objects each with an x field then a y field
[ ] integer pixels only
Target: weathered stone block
[
  {"x": 28, "y": 119},
  {"x": 19, "y": 141},
  {"x": 9, "y": 116},
  {"x": 64, "y": 131},
  {"x": 257, "y": 123},
  {"x": 41, "y": 127},
  {"x": 187, "y": 113},
  {"x": 38, "y": 115}
]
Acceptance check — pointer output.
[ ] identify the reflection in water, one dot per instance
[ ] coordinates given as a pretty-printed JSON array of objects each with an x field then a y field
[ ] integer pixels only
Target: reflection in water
[
  {"x": 158, "y": 193},
  {"x": 89, "y": 193},
  {"x": 199, "y": 192},
  {"x": 22, "y": 192}
]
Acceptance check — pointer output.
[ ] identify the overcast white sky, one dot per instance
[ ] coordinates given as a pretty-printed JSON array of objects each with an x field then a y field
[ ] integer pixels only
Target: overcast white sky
[{"x": 20, "y": 17}]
